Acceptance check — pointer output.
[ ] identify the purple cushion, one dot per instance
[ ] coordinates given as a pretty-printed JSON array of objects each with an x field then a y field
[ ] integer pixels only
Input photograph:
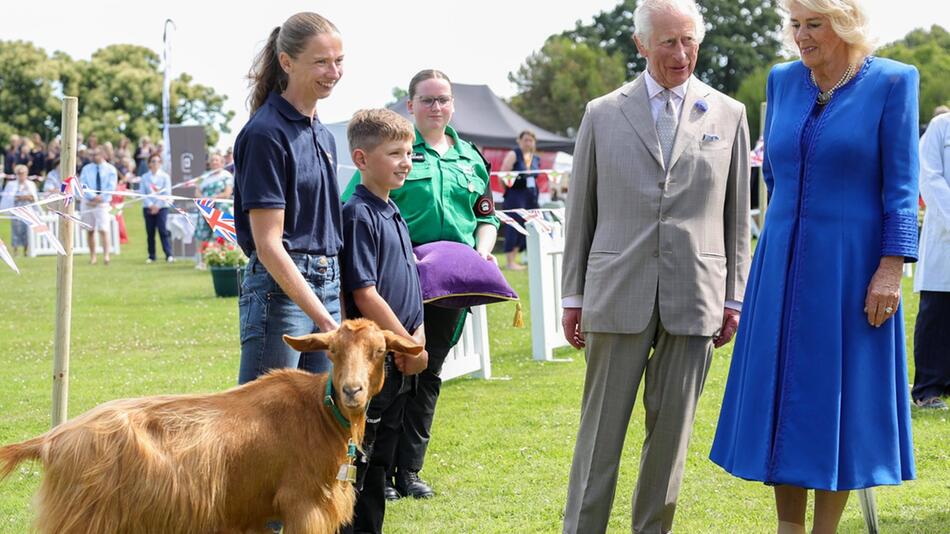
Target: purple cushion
[{"x": 454, "y": 275}]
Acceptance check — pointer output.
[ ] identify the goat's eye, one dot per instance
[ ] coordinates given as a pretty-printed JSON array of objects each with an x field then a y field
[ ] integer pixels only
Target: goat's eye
[{"x": 380, "y": 352}]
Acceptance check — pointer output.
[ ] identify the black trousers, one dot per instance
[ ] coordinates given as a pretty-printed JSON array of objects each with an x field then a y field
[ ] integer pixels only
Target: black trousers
[
  {"x": 440, "y": 326},
  {"x": 932, "y": 346},
  {"x": 157, "y": 222},
  {"x": 383, "y": 424}
]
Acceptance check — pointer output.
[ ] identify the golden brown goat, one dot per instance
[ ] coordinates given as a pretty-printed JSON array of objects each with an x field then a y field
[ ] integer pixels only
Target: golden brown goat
[{"x": 220, "y": 463}]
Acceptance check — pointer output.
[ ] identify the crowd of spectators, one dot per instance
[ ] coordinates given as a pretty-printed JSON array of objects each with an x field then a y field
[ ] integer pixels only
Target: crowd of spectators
[
  {"x": 42, "y": 159},
  {"x": 30, "y": 159}
]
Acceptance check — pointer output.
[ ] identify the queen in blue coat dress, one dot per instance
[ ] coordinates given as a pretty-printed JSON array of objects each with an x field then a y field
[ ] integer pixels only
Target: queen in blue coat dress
[{"x": 817, "y": 397}]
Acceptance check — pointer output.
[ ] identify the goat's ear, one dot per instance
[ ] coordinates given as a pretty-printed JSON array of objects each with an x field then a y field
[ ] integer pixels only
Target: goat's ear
[
  {"x": 309, "y": 342},
  {"x": 397, "y": 343}
]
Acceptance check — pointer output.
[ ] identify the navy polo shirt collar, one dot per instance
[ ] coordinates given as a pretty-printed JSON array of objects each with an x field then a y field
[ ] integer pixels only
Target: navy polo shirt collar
[
  {"x": 287, "y": 109},
  {"x": 386, "y": 209}
]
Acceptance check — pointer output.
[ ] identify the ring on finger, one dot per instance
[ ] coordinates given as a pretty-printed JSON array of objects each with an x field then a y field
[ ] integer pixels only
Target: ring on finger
[{"x": 888, "y": 309}]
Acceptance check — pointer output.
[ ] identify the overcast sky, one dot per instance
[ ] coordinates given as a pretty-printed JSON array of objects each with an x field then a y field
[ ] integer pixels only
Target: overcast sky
[{"x": 385, "y": 42}]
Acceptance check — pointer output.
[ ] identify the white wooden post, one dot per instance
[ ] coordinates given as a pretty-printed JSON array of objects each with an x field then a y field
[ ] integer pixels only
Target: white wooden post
[
  {"x": 471, "y": 355},
  {"x": 545, "y": 255}
]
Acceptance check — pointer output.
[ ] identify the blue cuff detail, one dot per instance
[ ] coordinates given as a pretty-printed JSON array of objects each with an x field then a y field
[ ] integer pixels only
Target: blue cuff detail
[{"x": 900, "y": 235}]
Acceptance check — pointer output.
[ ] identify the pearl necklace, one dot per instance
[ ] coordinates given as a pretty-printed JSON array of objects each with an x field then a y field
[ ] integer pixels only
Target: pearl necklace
[{"x": 824, "y": 98}]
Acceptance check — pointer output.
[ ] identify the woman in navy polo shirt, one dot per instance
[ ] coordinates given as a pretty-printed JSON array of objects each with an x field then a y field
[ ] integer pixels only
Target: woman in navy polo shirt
[{"x": 286, "y": 200}]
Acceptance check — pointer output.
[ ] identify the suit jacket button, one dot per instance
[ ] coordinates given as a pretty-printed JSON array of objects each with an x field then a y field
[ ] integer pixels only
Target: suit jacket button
[
  {"x": 656, "y": 254},
  {"x": 662, "y": 185}
]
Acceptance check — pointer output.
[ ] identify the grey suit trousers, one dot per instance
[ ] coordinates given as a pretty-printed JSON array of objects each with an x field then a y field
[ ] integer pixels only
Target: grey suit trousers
[{"x": 674, "y": 378}]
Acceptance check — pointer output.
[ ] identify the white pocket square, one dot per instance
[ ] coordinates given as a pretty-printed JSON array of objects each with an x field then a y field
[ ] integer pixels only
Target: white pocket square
[{"x": 708, "y": 138}]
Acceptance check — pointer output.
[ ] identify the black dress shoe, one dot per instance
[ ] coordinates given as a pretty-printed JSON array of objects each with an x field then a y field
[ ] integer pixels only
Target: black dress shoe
[
  {"x": 409, "y": 484},
  {"x": 390, "y": 492}
]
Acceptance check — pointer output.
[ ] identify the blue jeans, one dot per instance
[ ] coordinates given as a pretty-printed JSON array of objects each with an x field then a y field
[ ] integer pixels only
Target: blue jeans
[{"x": 267, "y": 313}]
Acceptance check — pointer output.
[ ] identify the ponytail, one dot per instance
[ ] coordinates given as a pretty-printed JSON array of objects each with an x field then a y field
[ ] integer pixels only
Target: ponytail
[{"x": 266, "y": 75}]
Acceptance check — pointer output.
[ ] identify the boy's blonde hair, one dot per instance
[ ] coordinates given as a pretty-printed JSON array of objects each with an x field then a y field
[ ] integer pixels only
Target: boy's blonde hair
[{"x": 370, "y": 128}]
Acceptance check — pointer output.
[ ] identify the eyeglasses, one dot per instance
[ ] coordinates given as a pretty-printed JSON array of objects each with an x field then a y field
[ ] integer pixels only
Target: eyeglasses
[{"x": 430, "y": 101}]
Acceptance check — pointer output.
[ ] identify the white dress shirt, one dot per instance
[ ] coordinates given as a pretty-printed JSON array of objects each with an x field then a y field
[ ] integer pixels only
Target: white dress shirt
[
  {"x": 657, "y": 101},
  {"x": 933, "y": 270}
]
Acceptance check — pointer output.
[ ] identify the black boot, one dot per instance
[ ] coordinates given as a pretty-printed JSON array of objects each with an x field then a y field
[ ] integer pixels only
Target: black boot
[
  {"x": 389, "y": 491},
  {"x": 409, "y": 484}
]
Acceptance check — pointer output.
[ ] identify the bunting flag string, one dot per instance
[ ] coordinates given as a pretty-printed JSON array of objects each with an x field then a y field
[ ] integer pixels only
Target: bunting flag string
[
  {"x": 537, "y": 218},
  {"x": 554, "y": 174},
  {"x": 510, "y": 221},
  {"x": 47, "y": 200},
  {"x": 220, "y": 221},
  {"x": 7, "y": 258},
  {"x": 29, "y": 216},
  {"x": 73, "y": 218}
]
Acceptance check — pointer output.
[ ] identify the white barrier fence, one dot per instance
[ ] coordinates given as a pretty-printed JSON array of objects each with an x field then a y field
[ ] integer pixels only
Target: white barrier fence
[
  {"x": 471, "y": 356},
  {"x": 545, "y": 255},
  {"x": 40, "y": 244}
]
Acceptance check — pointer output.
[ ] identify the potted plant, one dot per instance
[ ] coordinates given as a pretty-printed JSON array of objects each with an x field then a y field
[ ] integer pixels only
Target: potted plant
[{"x": 226, "y": 263}]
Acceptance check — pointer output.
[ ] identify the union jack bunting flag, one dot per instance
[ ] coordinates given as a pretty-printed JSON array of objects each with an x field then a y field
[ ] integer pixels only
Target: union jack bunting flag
[
  {"x": 758, "y": 154},
  {"x": 536, "y": 216},
  {"x": 73, "y": 218},
  {"x": 27, "y": 215},
  {"x": 222, "y": 223},
  {"x": 183, "y": 212},
  {"x": 506, "y": 219},
  {"x": 70, "y": 188},
  {"x": 5, "y": 255}
]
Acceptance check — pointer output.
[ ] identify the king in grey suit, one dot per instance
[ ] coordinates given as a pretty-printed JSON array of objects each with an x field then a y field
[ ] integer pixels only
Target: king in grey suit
[{"x": 656, "y": 257}]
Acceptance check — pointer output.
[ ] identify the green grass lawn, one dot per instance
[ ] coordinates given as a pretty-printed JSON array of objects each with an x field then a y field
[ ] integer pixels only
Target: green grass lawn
[{"x": 501, "y": 451}]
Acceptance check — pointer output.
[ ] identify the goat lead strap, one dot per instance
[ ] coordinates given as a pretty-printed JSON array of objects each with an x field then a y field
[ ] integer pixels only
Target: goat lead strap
[{"x": 328, "y": 402}]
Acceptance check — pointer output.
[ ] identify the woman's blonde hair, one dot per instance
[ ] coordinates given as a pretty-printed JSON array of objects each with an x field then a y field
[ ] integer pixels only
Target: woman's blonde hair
[{"x": 848, "y": 19}]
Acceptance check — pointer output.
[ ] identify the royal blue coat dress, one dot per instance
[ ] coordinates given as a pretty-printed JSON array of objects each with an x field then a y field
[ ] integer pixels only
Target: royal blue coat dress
[{"x": 816, "y": 397}]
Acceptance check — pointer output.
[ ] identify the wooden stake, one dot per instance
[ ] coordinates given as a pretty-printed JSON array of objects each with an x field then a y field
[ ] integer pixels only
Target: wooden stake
[{"x": 64, "y": 267}]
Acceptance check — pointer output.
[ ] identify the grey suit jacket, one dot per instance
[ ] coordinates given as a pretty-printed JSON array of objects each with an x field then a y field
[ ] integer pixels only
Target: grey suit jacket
[{"x": 636, "y": 230}]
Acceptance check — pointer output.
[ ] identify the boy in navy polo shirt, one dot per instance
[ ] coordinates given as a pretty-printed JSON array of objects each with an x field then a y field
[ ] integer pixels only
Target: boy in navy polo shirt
[{"x": 380, "y": 282}]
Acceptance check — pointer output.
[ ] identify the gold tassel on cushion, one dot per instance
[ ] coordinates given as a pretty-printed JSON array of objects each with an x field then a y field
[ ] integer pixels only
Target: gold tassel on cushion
[{"x": 519, "y": 318}]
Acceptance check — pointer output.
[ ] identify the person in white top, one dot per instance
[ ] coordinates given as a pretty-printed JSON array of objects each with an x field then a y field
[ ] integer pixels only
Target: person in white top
[
  {"x": 23, "y": 192},
  {"x": 155, "y": 209},
  {"x": 932, "y": 280}
]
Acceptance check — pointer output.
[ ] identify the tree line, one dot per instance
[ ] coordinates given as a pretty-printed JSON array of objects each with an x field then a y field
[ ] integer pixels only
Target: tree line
[
  {"x": 119, "y": 90},
  {"x": 120, "y": 86},
  {"x": 743, "y": 40}
]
